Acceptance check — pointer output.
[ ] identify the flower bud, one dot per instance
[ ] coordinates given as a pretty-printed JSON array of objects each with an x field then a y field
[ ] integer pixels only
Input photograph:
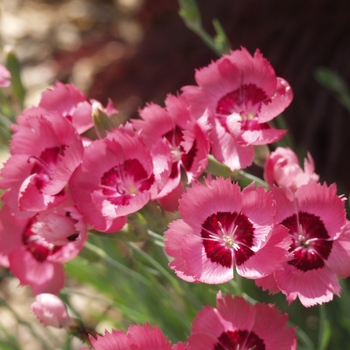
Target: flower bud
[
  {"x": 51, "y": 311},
  {"x": 282, "y": 168},
  {"x": 102, "y": 120}
]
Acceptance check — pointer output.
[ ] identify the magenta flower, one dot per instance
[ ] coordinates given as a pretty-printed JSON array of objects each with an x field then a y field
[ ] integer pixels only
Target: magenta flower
[
  {"x": 222, "y": 227},
  {"x": 235, "y": 324},
  {"x": 282, "y": 168},
  {"x": 185, "y": 136},
  {"x": 45, "y": 149},
  {"x": 242, "y": 94},
  {"x": 51, "y": 311},
  {"x": 137, "y": 338},
  {"x": 30, "y": 257},
  {"x": 117, "y": 177},
  {"x": 5, "y": 76},
  {"x": 320, "y": 251},
  {"x": 71, "y": 103}
]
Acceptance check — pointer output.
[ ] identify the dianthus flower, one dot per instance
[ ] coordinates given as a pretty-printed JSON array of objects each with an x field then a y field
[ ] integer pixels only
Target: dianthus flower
[
  {"x": 241, "y": 94},
  {"x": 45, "y": 149},
  {"x": 137, "y": 338},
  {"x": 31, "y": 257},
  {"x": 320, "y": 249},
  {"x": 282, "y": 168},
  {"x": 222, "y": 227},
  {"x": 185, "y": 136},
  {"x": 235, "y": 324},
  {"x": 117, "y": 177},
  {"x": 71, "y": 103}
]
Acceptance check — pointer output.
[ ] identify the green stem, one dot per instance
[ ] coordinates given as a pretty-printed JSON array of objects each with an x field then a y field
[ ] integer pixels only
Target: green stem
[
  {"x": 158, "y": 266},
  {"x": 156, "y": 235},
  {"x": 236, "y": 283},
  {"x": 253, "y": 178},
  {"x": 190, "y": 14},
  {"x": 207, "y": 39},
  {"x": 216, "y": 168},
  {"x": 102, "y": 254},
  {"x": 324, "y": 334}
]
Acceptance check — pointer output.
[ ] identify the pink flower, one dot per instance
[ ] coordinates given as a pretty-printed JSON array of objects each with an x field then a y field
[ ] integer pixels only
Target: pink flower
[
  {"x": 282, "y": 168},
  {"x": 51, "y": 311},
  {"x": 320, "y": 249},
  {"x": 61, "y": 225},
  {"x": 5, "y": 76},
  {"x": 185, "y": 136},
  {"x": 45, "y": 149},
  {"x": 117, "y": 177},
  {"x": 235, "y": 324},
  {"x": 222, "y": 227},
  {"x": 31, "y": 258},
  {"x": 242, "y": 94},
  {"x": 137, "y": 338},
  {"x": 71, "y": 103}
]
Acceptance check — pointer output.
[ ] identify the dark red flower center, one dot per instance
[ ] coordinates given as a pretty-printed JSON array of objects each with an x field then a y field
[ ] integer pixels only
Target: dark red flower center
[
  {"x": 311, "y": 243},
  {"x": 245, "y": 101},
  {"x": 239, "y": 340},
  {"x": 227, "y": 236},
  {"x": 44, "y": 165},
  {"x": 174, "y": 138},
  {"x": 124, "y": 181},
  {"x": 35, "y": 244}
]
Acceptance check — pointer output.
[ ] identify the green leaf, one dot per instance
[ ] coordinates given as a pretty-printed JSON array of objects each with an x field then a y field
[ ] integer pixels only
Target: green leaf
[
  {"x": 190, "y": 14},
  {"x": 332, "y": 81}
]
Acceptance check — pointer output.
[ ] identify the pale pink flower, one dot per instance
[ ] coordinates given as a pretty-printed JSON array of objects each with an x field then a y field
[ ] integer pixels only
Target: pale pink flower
[
  {"x": 185, "y": 136},
  {"x": 118, "y": 176},
  {"x": 235, "y": 324},
  {"x": 320, "y": 251},
  {"x": 71, "y": 103},
  {"x": 45, "y": 149},
  {"x": 5, "y": 76},
  {"x": 51, "y": 311},
  {"x": 241, "y": 94},
  {"x": 30, "y": 257},
  {"x": 61, "y": 225},
  {"x": 223, "y": 228},
  {"x": 282, "y": 168},
  {"x": 137, "y": 338}
]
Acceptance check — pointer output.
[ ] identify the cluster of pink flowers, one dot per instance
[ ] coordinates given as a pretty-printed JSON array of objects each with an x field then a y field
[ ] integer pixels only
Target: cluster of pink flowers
[
  {"x": 58, "y": 184},
  {"x": 41, "y": 227},
  {"x": 240, "y": 94},
  {"x": 233, "y": 324},
  {"x": 293, "y": 242}
]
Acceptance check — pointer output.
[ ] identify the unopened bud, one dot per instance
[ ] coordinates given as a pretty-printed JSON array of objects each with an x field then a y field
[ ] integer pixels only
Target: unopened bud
[
  {"x": 51, "y": 311},
  {"x": 102, "y": 120}
]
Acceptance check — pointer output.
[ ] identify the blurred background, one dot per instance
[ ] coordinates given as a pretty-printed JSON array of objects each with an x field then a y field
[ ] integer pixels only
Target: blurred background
[{"x": 138, "y": 51}]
